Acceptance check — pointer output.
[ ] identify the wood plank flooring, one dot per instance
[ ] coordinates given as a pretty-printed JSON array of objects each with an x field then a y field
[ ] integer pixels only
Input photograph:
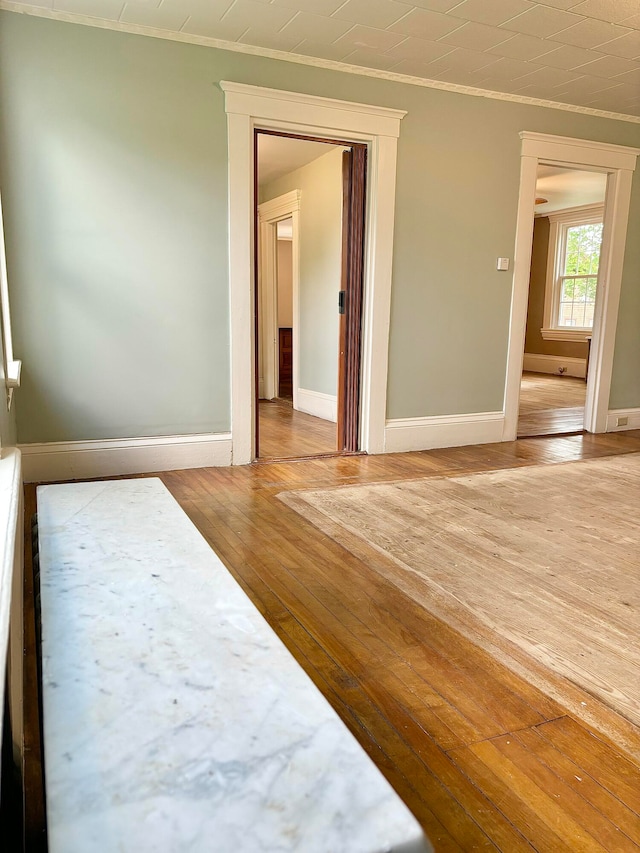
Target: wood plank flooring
[
  {"x": 286, "y": 433},
  {"x": 485, "y": 760},
  {"x": 551, "y": 405}
]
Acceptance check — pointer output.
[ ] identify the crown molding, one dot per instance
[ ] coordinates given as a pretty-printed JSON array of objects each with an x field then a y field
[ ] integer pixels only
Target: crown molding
[{"x": 329, "y": 64}]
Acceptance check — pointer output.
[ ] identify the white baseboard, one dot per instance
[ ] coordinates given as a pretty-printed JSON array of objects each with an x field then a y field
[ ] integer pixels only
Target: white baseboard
[
  {"x": 319, "y": 405},
  {"x": 538, "y": 363},
  {"x": 78, "y": 460},
  {"x": 443, "y": 431},
  {"x": 630, "y": 419}
]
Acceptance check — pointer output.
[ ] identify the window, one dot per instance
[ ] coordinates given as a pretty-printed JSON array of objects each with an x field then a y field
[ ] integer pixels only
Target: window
[{"x": 575, "y": 239}]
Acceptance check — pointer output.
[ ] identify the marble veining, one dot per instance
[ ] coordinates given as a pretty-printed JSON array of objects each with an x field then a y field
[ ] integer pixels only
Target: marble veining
[{"x": 174, "y": 717}]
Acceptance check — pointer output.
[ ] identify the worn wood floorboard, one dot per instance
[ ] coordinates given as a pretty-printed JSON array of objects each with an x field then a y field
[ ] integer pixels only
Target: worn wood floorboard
[
  {"x": 432, "y": 709},
  {"x": 550, "y": 405},
  {"x": 286, "y": 433}
]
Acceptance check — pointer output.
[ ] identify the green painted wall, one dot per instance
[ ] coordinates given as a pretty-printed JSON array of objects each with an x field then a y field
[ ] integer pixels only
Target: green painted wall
[
  {"x": 320, "y": 185},
  {"x": 113, "y": 169}
]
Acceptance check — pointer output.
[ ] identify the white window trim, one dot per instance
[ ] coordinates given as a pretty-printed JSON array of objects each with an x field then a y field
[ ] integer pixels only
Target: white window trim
[
  {"x": 252, "y": 107},
  {"x": 619, "y": 162},
  {"x": 12, "y": 367},
  {"x": 559, "y": 222}
]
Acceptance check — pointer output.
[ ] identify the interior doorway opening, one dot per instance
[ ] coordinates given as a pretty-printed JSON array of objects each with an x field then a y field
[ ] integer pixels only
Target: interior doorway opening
[
  {"x": 563, "y": 286},
  {"x": 310, "y": 195}
]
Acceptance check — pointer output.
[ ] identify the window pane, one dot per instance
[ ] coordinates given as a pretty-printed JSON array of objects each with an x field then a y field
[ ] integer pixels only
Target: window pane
[
  {"x": 583, "y": 249},
  {"x": 577, "y": 301}
]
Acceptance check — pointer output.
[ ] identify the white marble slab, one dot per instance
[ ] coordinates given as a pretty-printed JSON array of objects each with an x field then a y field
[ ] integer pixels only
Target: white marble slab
[{"x": 174, "y": 718}]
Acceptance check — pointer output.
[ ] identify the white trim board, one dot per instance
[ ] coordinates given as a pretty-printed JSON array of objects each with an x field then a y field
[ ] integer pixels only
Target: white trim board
[
  {"x": 404, "y": 434},
  {"x": 316, "y": 403},
  {"x": 618, "y": 162},
  {"x": 615, "y": 415},
  {"x": 540, "y": 363},
  {"x": 314, "y": 61},
  {"x": 76, "y": 460},
  {"x": 252, "y": 107}
]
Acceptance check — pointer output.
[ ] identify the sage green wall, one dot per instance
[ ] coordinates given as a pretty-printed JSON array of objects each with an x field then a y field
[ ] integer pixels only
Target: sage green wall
[
  {"x": 320, "y": 185},
  {"x": 113, "y": 167},
  {"x": 534, "y": 342}
]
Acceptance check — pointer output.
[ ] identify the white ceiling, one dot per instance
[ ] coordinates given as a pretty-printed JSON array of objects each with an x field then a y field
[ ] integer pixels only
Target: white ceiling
[
  {"x": 580, "y": 52},
  {"x": 565, "y": 188},
  {"x": 279, "y": 155}
]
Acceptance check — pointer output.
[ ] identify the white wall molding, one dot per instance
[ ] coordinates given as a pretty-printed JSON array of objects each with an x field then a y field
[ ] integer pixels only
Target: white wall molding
[
  {"x": 618, "y": 161},
  {"x": 540, "y": 363},
  {"x": 251, "y": 107},
  {"x": 404, "y": 434},
  {"x": 621, "y": 419},
  {"x": 316, "y": 403},
  {"x": 314, "y": 61},
  {"x": 76, "y": 460}
]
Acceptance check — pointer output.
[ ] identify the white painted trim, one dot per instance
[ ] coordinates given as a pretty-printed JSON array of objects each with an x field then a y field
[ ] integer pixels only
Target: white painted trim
[
  {"x": 248, "y": 108},
  {"x": 319, "y": 405},
  {"x": 12, "y": 367},
  {"x": 618, "y": 162},
  {"x": 632, "y": 416},
  {"x": 568, "y": 334},
  {"x": 539, "y": 363},
  {"x": 406, "y": 434},
  {"x": 314, "y": 61},
  {"x": 76, "y": 460},
  {"x": 11, "y": 596},
  {"x": 286, "y": 206}
]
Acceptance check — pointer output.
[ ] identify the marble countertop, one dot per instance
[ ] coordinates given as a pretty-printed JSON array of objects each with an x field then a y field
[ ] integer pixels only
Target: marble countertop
[{"x": 174, "y": 717}]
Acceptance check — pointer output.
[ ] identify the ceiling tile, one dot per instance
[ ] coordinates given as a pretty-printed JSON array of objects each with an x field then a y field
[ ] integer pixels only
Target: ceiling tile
[
  {"x": 435, "y": 5},
  {"x": 610, "y": 66},
  {"x": 550, "y": 77},
  {"x": 627, "y": 46},
  {"x": 522, "y": 47},
  {"x": 496, "y": 12},
  {"x": 316, "y": 7},
  {"x": 607, "y": 10},
  {"x": 542, "y": 21},
  {"x": 109, "y": 9},
  {"x": 588, "y": 85},
  {"x": 508, "y": 69},
  {"x": 567, "y": 56},
  {"x": 268, "y": 39},
  {"x": 370, "y": 59},
  {"x": 40, "y": 4},
  {"x": 147, "y": 15},
  {"x": 199, "y": 25},
  {"x": 324, "y": 51},
  {"x": 463, "y": 60},
  {"x": 559, "y": 4},
  {"x": 372, "y": 13},
  {"x": 632, "y": 77},
  {"x": 261, "y": 16},
  {"x": 633, "y": 21},
  {"x": 590, "y": 33},
  {"x": 316, "y": 27},
  {"x": 476, "y": 36},
  {"x": 426, "y": 25},
  {"x": 419, "y": 50},
  {"x": 368, "y": 38}
]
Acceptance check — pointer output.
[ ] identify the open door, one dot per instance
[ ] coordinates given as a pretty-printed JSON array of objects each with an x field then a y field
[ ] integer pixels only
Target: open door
[{"x": 354, "y": 171}]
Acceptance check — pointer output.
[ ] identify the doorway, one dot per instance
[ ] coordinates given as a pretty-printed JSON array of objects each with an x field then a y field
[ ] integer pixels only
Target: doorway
[
  {"x": 309, "y": 264},
  {"x": 617, "y": 164},
  {"x": 563, "y": 284}
]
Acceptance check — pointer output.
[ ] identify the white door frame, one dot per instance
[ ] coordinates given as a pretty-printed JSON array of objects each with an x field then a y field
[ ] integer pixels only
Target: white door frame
[
  {"x": 618, "y": 162},
  {"x": 271, "y": 212},
  {"x": 252, "y": 107}
]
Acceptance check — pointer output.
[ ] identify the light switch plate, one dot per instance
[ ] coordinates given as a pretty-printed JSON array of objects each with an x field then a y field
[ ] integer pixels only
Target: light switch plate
[{"x": 503, "y": 264}]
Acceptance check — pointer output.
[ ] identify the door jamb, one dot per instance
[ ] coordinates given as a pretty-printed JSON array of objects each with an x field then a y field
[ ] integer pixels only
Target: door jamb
[
  {"x": 619, "y": 162},
  {"x": 252, "y": 107},
  {"x": 271, "y": 212}
]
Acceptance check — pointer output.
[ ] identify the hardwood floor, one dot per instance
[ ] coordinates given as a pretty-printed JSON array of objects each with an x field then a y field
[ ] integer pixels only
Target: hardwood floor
[
  {"x": 483, "y": 759},
  {"x": 288, "y": 434},
  {"x": 551, "y": 405}
]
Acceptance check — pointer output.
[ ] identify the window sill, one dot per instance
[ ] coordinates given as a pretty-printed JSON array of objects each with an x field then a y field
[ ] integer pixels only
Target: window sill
[{"x": 581, "y": 335}]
